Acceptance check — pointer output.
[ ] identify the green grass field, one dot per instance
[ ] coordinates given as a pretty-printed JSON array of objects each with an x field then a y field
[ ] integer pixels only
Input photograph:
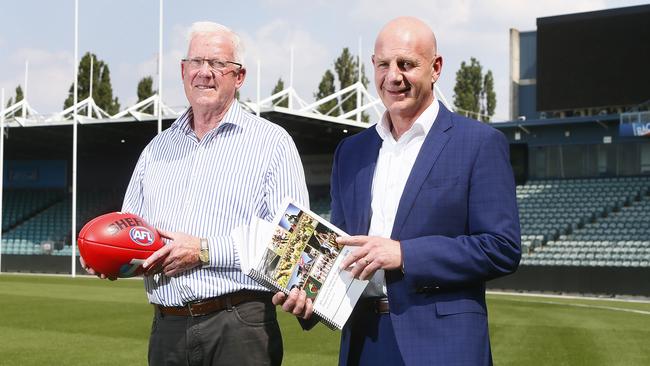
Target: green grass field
[{"x": 47, "y": 320}]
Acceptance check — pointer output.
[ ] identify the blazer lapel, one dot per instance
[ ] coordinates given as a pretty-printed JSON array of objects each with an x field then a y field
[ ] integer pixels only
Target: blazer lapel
[
  {"x": 363, "y": 183},
  {"x": 434, "y": 143}
]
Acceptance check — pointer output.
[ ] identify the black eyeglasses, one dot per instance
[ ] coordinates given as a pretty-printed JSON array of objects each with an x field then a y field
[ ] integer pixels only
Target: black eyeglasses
[{"x": 214, "y": 63}]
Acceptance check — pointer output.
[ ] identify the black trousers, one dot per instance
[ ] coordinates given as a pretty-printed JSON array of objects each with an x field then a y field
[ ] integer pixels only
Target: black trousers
[{"x": 245, "y": 334}]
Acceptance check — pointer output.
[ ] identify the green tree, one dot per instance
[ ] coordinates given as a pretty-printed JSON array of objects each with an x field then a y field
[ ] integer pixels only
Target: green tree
[
  {"x": 346, "y": 67},
  {"x": 474, "y": 93},
  {"x": 347, "y": 70},
  {"x": 145, "y": 90},
  {"x": 102, "y": 88},
  {"x": 489, "y": 96},
  {"x": 326, "y": 88},
  {"x": 279, "y": 86},
  {"x": 19, "y": 97},
  {"x": 19, "y": 94}
]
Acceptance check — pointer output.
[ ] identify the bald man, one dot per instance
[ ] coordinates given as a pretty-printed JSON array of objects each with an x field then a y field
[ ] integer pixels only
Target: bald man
[{"x": 430, "y": 199}]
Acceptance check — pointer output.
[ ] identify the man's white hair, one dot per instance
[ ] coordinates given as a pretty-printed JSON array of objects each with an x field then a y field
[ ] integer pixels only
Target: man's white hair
[{"x": 198, "y": 28}]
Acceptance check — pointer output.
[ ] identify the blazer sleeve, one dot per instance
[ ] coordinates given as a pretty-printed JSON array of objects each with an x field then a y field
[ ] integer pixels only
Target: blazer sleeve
[{"x": 490, "y": 247}]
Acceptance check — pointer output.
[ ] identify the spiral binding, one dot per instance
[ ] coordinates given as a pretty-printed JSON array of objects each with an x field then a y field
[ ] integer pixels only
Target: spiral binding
[{"x": 265, "y": 280}]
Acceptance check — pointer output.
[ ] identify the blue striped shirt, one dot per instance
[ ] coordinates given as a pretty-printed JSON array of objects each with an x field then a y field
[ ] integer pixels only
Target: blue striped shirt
[{"x": 242, "y": 168}]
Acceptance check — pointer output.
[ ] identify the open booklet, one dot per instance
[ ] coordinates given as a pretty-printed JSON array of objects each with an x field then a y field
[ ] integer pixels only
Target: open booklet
[{"x": 299, "y": 249}]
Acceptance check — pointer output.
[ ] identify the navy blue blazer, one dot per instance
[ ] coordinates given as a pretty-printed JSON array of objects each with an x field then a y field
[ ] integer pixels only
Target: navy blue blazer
[{"x": 458, "y": 226}]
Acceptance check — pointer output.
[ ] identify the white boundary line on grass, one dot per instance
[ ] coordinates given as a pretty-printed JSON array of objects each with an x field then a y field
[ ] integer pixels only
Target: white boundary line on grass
[
  {"x": 502, "y": 293},
  {"x": 571, "y": 297},
  {"x": 62, "y": 275},
  {"x": 635, "y": 311}
]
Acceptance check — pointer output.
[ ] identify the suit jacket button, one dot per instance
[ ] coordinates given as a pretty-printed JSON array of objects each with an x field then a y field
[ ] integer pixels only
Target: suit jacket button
[{"x": 425, "y": 289}]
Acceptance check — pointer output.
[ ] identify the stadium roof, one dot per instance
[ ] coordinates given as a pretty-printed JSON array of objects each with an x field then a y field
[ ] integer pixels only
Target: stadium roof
[{"x": 559, "y": 121}]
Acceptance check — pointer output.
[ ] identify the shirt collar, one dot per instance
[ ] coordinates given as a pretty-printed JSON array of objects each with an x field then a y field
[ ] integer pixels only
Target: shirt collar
[
  {"x": 421, "y": 126},
  {"x": 233, "y": 116}
]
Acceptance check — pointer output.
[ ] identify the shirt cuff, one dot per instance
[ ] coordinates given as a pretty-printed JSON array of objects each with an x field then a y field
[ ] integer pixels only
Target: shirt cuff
[{"x": 222, "y": 252}]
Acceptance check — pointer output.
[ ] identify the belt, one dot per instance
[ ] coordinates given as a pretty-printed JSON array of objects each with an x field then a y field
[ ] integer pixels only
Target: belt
[
  {"x": 378, "y": 305},
  {"x": 213, "y": 305}
]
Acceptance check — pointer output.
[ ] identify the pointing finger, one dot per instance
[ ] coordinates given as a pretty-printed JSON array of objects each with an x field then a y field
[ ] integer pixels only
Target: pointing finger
[
  {"x": 357, "y": 240},
  {"x": 160, "y": 253}
]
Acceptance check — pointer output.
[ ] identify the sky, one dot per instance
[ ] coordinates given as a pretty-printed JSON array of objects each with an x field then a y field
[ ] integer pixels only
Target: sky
[{"x": 124, "y": 34}]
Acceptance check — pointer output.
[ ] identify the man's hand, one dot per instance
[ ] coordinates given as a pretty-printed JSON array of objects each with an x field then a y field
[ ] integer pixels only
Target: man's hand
[
  {"x": 373, "y": 253},
  {"x": 296, "y": 303},
  {"x": 180, "y": 254},
  {"x": 92, "y": 271}
]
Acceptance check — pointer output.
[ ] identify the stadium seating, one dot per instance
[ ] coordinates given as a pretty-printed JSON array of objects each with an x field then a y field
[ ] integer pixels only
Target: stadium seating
[
  {"x": 36, "y": 217},
  {"x": 47, "y": 230},
  {"x": 586, "y": 222},
  {"x": 21, "y": 204},
  {"x": 568, "y": 222},
  {"x": 321, "y": 206}
]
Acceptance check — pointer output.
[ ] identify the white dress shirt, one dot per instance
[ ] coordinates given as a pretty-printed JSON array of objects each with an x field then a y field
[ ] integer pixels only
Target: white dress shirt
[
  {"x": 244, "y": 167},
  {"x": 394, "y": 164}
]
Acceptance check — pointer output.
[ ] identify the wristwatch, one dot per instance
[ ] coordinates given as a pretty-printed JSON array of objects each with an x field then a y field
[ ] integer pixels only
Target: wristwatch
[{"x": 204, "y": 254}]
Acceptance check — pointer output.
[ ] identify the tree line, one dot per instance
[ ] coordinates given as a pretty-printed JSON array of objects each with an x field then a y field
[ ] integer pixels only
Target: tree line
[
  {"x": 474, "y": 93},
  {"x": 346, "y": 67}
]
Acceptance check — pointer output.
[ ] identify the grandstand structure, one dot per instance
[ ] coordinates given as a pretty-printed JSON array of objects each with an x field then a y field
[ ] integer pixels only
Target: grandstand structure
[
  {"x": 37, "y": 204},
  {"x": 583, "y": 180},
  {"x": 581, "y": 154}
]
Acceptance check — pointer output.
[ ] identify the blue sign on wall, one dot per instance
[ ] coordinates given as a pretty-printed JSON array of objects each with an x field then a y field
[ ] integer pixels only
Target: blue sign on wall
[
  {"x": 634, "y": 129},
  {"x": 35, "y": 174}
]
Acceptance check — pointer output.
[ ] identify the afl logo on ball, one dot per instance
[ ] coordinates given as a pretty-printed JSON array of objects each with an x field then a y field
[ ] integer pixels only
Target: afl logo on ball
[{"x": 141, "y": 236}]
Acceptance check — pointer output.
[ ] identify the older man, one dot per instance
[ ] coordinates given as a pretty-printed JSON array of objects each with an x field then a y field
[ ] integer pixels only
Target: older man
[
  {"x": 211, "y": 171},
  {"x": 430, "y": 197}
]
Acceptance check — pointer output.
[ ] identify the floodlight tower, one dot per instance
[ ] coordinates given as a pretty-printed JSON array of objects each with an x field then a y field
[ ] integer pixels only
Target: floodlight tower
[
  {"x": 2, "y": 158},
  {"x": 73, "y": 228},
  {"x": 160, "y": 65}
]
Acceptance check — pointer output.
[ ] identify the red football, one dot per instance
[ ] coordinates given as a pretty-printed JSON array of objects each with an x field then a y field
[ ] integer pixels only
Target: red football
[{"x": 117, "y": 243}]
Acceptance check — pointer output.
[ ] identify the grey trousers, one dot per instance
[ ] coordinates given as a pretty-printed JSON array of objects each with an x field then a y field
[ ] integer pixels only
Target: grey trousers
[{"x": 245, "y": 334}]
